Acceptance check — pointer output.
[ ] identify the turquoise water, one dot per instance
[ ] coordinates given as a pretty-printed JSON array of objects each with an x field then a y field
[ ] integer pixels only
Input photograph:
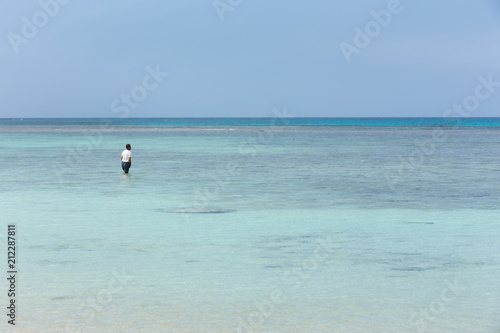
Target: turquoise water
[{"x": 254, "y": 225}]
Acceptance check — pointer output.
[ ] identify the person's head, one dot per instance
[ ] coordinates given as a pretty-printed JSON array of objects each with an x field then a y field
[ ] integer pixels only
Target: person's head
[{"x": 128, "y": 147}]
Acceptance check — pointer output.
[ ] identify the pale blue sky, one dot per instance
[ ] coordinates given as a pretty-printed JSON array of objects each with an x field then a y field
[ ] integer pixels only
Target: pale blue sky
[{"x": 263, "y": 54}]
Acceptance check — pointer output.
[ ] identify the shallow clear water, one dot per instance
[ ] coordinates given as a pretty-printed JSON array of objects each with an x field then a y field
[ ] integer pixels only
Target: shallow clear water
[{"x": 234, "y": 226}]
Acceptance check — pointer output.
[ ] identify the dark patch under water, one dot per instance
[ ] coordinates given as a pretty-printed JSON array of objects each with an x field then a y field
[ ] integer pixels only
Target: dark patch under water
[{"x": 196, "y": 211}]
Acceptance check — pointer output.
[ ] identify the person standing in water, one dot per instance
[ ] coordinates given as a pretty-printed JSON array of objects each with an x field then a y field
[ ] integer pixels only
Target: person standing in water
[{"x": 126, "y": 158}]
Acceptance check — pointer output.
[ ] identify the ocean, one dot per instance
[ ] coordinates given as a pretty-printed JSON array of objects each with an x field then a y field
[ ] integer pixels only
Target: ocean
[{"x": 273, "y": 225}]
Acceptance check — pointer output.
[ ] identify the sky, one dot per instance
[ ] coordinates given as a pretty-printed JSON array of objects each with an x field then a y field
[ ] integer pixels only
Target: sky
[{"x": 243, "y": 58}]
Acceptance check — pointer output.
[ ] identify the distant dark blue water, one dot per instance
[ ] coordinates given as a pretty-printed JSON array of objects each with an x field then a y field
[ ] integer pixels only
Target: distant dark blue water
[{"x": 243, "y": 122}]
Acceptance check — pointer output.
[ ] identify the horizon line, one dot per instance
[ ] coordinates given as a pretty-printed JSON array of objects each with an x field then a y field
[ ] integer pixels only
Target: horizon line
[{"x": 374, "y": 117}]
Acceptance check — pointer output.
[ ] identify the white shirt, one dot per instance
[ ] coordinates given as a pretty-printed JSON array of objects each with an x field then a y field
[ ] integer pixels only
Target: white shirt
[{"x": 125, "y": 155}]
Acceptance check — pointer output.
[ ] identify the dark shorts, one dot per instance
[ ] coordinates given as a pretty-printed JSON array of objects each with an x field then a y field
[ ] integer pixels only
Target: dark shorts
[{"x": 125, "y": 166}]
